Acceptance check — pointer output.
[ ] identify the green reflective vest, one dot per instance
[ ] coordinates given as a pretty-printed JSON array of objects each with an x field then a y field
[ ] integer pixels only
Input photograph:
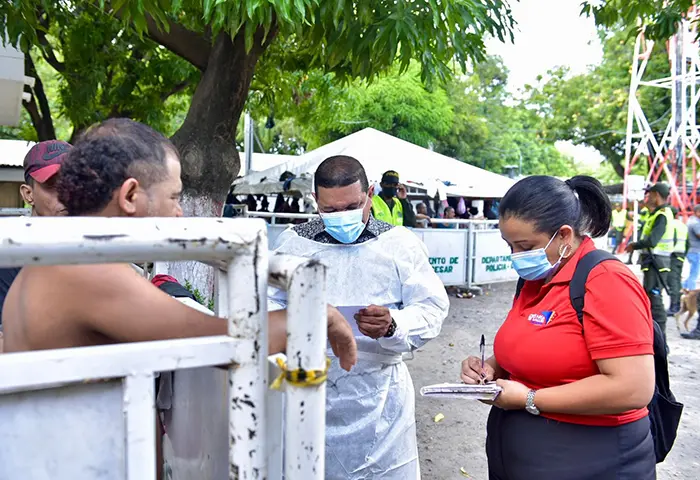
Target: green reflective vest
[
  {"x": 382, "y": 212},
  {"x": 681, "y": 236},
  {"x": 619, "y": 219},
  {"x": 665, "y": 246}
]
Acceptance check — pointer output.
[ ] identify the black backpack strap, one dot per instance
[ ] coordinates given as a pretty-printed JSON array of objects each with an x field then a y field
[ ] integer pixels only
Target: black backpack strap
[
  {"x": 577, "y": 287},
  {"x": 176, "y": 290},
  {"x": 521, "y": 284}
]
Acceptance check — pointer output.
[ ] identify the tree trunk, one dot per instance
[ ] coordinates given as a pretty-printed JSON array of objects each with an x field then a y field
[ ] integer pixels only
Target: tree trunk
[
  {"x": 207, "y": 138},
  {"x": 38, "y": 105}
]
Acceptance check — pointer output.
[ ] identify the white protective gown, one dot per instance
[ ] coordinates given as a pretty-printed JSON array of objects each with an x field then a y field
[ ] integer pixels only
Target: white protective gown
[{"x": 370, "y": 415}]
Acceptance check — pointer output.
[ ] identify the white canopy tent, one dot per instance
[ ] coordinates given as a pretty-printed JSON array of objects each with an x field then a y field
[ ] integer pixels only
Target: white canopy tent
[
  {"x": 264, "y": 161},
  {"x": 417, "y": 166}
]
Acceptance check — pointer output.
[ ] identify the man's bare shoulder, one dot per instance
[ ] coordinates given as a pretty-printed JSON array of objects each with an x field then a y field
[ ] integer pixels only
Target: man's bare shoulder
[
  {"x": 53, "y": 306},
  {"x": 61, "y": 277}
]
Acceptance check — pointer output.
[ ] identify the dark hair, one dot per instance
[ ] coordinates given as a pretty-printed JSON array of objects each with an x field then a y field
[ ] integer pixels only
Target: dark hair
[
  {"x": 107, "y": 155},
  {"x": 551, "y": 203},
  {"x": 340, "y": 171}
]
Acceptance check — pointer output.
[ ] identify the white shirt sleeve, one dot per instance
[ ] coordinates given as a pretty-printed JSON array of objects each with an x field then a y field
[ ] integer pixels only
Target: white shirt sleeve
[{"x": 425, "y": 304}]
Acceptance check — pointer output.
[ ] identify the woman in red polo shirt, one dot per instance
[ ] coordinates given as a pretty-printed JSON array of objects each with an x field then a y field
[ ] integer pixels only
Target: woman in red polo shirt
[{"x": 574, "y": 399}]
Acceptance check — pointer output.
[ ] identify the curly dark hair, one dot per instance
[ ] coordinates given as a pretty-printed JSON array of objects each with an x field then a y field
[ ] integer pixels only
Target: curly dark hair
[{"x": 104, "y": 157}]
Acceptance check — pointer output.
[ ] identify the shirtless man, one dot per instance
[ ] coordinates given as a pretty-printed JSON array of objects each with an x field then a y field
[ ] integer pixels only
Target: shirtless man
[
  {"x": 121, "y": 168},
  {"x": 41, "y": 165}
]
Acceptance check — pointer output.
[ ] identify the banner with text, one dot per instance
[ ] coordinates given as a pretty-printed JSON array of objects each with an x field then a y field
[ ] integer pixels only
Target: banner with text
[
  {"x": 491, "y": 258},
  {"x": 447, "y": 250}
]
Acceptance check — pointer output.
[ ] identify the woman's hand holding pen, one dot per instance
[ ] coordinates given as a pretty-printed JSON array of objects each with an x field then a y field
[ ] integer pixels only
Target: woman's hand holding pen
[
  {"x": 472, "y": 373},
  {"x": 513, "y": 395}
]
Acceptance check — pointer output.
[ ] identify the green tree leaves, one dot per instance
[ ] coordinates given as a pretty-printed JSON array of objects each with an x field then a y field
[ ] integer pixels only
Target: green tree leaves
[
  {"x": 657, "y": 18},
  {"x": 472, "y": 118},
  {"x": 591, "y": 108}
]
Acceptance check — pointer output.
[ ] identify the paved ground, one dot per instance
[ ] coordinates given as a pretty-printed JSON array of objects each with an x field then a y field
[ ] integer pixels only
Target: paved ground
[{"x": 458, "y": 440}]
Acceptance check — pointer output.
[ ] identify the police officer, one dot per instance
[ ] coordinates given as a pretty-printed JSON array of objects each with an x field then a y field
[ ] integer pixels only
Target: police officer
[
  {"x": 656, "y": 245},
  {"x": 619, "y": 218},
  {"x": 642, "y": 216},
  {"x": 391, "y": 205},
  {"x": 680, "y": 250}
]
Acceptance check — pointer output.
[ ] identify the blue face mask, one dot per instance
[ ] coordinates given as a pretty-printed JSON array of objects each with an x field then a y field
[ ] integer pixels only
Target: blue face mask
[
  {"x": 534, "y": 264},
  {"x": 346, "y": 227}
]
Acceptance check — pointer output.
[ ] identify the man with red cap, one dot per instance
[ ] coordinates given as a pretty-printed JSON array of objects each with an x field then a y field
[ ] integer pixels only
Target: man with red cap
[{"x": 41, "y": 164}]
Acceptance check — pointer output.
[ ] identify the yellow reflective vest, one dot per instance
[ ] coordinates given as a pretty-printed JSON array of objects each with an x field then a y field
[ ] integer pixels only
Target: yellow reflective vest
[
  {"x": 382, "y": 212},
  {"x": 681, "y": 235},
  {"x": 665, "y": 246},
  {"x": 643, "y": 216},
  {"x": 619, "y": 219}
]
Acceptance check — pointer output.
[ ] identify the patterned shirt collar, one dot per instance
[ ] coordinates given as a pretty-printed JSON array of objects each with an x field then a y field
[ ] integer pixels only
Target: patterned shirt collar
[{"x": 315, "y": 230}]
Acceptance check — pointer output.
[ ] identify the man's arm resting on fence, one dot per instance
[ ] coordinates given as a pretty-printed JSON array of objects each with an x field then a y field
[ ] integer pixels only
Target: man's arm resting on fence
[{"x": 122, "y": 305}]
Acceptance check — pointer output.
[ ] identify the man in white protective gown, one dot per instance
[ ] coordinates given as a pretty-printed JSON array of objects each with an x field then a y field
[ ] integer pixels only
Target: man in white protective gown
[{"x": 400, "y": 303}]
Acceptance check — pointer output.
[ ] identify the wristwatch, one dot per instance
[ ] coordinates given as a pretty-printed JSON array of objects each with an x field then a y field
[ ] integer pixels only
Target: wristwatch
[
  {"x": 392, "y": 329},
  {"x": 530, "y": 403}
]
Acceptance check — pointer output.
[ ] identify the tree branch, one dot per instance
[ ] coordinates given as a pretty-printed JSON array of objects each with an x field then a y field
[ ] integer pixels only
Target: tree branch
[
  {"x": 38, "y": 107},
  {"x": 176, "y": 89},
  {"x": 48, "y": 53},
  {"x": 53, "y": 61},
  {"x": 33, "y": 111},
  {"x": 47, "y": 49},
  {"x": 185, "y": 43}
]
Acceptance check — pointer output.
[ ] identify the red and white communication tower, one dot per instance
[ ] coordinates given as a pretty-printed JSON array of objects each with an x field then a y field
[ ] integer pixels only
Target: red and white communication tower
[{"x": 672, "y": 157}]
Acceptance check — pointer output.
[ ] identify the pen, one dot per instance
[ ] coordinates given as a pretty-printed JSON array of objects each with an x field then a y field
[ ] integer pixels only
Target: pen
[{"x": 482, "y": 349}]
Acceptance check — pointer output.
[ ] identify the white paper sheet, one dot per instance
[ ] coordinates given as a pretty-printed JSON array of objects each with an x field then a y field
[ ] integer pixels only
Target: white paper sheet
[
  {"x": 488, "y": 391},
  {"x": 349, "y": 314}
]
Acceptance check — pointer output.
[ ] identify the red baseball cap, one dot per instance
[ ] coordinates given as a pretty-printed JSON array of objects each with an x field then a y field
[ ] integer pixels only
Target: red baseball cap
[{"x": 44, "y": 160}]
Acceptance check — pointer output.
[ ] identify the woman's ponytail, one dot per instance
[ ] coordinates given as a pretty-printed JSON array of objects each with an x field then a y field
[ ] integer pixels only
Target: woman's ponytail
[
  {"x": 596, "y": 209},
  {"x": 550, "y": 203}
]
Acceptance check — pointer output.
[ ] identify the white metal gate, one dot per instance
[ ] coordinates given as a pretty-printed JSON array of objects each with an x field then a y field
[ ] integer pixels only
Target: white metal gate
[{"x": 88, "y": 413}]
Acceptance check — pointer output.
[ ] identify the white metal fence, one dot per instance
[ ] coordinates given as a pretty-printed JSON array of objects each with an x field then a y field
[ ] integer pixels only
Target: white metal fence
[
  {"x": 86, "y": 413},
  {"x": 469, "y": 253},
  {"x": 14, "y": 212}
]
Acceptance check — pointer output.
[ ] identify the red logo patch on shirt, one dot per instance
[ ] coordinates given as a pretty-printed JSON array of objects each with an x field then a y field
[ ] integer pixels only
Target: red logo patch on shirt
[{"x": 542, "y": 318}]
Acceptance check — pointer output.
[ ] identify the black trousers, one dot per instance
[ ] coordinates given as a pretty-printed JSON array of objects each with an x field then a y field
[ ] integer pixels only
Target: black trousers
[
  {"x": 674, "y": 279},
  {"x": 520, "y": 446},
  {"x": 654, "y": 286},
  {"x": 619, "y": 235}
]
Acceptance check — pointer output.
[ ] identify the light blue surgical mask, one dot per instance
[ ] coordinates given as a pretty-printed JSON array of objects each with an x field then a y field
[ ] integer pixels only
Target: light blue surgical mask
[
  {"x": 534, "y": 264},
  {"x": 346, "y": 227}
]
